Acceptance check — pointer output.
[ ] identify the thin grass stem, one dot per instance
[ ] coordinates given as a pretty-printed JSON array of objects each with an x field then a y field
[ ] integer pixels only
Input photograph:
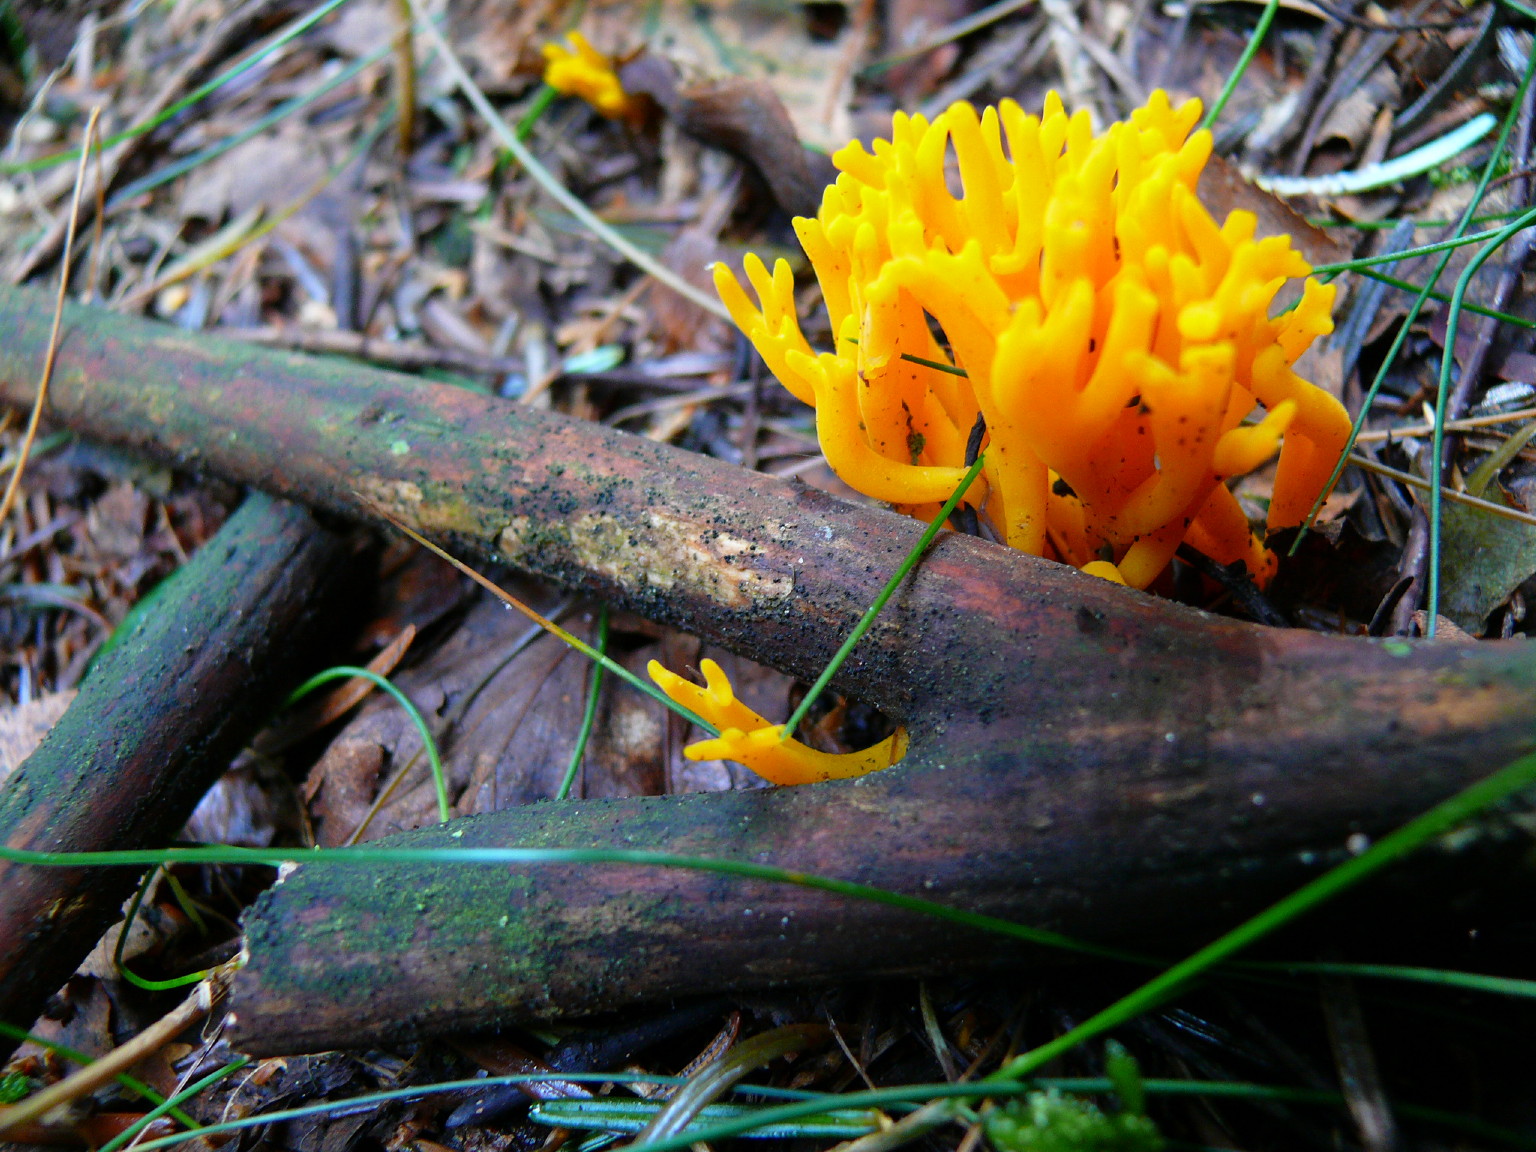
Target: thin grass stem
[
  {"x": 1406, "y": 325},
  {"x": 13, "y": 484},
  {"x": 75, "y": 1056},
  {"x": 549, "y": 625},
  {"x": 1444, "y": 298},
  {"x": 589, "y": 714},
  {"x": 1387, "y": 223},
  {"x": 556, "y": 190},
  {"x": 349, "y": 672},
  {"x": 1448, "y": 978},
  {"x": 895, "y": 582},
  {"x": 1250, "y": 50},
  {"x": 1438, "y": 820},
  {"x": 279, "y": 38},
  {"x": 122, "y": 969},
  {"x": 187, "y": 1093},
  {"x": 181, "y": 167},
  {"x": 240, "y": 239},
  {"x": 1405, "y": 254},
  {"x": 1442, "y": 397},
  {"x": 373, "y": 854}
]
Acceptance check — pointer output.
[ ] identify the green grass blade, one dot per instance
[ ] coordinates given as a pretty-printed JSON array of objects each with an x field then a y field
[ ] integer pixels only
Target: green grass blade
[
  {"x": 1250, "y": 50},
  {"x": 1329, "y": 270},
  {"x": 1447, "y": 360},
  {"x": 589, "y": 714},
  {"x": 171, "y": 171},
  {"x": 610, "y": 1114},
  {"x": 132, "y": 1083},
  {"x": 122, "y": 969},
  {"x": 279, "y": 38},
  {"x": 1408, "y": 321},
  {"x": 181, "y": 1097},
  {"x": 370, "y": 854},
  {"x": 1446, "y": 978},
  {"x": 1445, "y": 298},
  {"x": 1443, "y": 817},
  {"x": 348, "y": 672},
  {"x": 895, "y": 582}
]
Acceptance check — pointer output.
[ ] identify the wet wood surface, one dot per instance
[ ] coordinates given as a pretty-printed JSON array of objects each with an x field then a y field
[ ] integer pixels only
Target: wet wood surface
[{"x": 1084, "y": 757}]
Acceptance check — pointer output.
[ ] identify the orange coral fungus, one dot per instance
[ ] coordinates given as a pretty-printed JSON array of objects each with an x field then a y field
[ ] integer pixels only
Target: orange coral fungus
[
  {"x": 1113, "y": 335},
  {"x": 581, "y": 70},
  {"x": 749, "y": 739}
]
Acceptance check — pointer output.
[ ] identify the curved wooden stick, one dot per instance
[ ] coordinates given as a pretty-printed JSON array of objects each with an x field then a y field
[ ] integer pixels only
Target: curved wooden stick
[
  {"x": 155, "y": 723},
  {"x": 1084, "y": 757}
]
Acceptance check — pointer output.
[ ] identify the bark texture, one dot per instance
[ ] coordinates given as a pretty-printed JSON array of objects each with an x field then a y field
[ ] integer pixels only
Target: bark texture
[{"x": 1084, "y": 757}]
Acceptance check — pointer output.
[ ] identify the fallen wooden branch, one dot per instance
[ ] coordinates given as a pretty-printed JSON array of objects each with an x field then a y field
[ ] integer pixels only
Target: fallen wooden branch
[
  {"x": 155, "y": 723},
  {"x": 1084, "y": 757}
]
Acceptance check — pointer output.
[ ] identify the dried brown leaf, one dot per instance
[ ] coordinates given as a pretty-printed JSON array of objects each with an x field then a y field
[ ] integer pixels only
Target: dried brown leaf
[
  {"x": 1223, "y": 189},
  {"x": 23, "y": 726},
  {"x": 744, "y": 117}
]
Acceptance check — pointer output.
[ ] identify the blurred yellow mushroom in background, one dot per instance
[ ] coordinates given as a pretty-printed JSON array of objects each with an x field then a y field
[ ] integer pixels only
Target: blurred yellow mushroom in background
[{"x": 578, "y": 69}]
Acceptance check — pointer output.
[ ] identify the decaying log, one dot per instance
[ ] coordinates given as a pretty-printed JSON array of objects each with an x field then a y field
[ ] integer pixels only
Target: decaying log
[
  {"x": 1084, "y": 757},
  {"x": 154, "y": 724}
]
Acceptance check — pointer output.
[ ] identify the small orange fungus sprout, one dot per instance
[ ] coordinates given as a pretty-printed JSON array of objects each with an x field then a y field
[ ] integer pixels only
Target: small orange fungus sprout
[
  {"x": 1116, "y": 339},
  {"x": 749, "y": 739},
  {"x": 581, "y": 70}
]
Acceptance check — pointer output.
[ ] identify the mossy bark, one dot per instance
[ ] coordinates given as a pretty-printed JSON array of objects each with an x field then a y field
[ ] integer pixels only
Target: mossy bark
[
  {"x": 1151, "y": 831},
  {"x": 154, "y": 724},
  {"x": 1084, "y": 757}
]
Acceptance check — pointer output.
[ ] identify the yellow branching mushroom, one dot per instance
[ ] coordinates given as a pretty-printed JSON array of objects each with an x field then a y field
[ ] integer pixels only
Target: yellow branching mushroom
[
  {"x": 1116, "y": 339},
  {"x": 581, "y": 70},
  {"x": 749, "y": 739}
]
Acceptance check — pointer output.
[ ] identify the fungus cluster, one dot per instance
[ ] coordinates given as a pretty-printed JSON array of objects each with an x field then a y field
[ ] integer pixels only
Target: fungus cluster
[{"x": 1080, "y": 298}]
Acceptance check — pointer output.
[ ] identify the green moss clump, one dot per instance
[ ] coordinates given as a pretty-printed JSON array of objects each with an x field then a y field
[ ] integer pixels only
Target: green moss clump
[{"x": 1051, "y": 1121}]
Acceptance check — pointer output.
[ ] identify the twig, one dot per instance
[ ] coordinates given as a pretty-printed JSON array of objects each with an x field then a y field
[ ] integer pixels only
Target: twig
[
  {"x": 207, "y": 993},
  {"x": 1467, "y": 424},
  {"x": 392, "y": 354},
  {"x": 14, "y": 484},
  {"x": 858, "y": 40},
  {"x": 405, "y": 76},
  {"x": 1356, "y": 1061},
  {"x": 1423, "y": 485}
]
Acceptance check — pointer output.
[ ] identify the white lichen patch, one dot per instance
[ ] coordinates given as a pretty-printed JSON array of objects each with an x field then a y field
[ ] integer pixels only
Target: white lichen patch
[
  {"x": 654, "y": 551},
  {"x": 400, "y": 498}
]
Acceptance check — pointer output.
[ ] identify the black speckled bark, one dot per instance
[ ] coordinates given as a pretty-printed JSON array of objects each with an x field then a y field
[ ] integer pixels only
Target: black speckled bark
[
  {"x": 154, "y": 724},
  {"x": 1084, "y": 757}
]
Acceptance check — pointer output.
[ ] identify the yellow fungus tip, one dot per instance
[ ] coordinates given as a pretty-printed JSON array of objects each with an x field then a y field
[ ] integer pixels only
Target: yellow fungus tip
[
  {"x": 575, "y": 68},
  {"x": 748, "y": 739}
]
